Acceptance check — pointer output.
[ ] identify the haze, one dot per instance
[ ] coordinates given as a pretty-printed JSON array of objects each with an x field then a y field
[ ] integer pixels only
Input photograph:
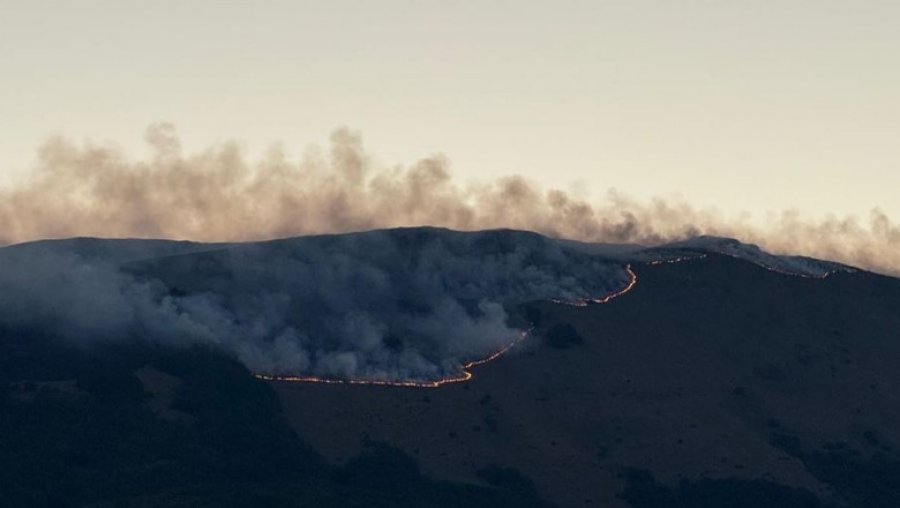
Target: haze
[{"x": 742, "y": 106}]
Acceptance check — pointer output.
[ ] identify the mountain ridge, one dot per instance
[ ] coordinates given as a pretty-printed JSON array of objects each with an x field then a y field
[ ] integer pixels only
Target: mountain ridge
[{"x": 794, "y": 264}]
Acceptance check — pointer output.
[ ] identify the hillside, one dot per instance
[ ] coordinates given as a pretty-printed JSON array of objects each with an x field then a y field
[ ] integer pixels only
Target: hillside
[{"x": 714, "y": 372}]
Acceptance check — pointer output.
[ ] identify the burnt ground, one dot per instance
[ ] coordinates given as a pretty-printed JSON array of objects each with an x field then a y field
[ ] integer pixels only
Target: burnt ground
[{"x": 714, "y": 382}]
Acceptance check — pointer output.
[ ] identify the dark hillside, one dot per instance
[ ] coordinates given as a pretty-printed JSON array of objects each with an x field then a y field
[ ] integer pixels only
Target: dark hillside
[
  {"x": 140, "y": 426},
  {"x": 125, "y": 374},
  {"x": 711, "y": 379}
]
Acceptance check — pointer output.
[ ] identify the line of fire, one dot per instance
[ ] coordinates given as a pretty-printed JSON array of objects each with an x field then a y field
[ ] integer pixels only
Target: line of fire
[{"x": 464, "y": 373}]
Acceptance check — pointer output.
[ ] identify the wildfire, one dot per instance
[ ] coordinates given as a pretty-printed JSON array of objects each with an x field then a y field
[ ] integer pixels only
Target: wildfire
[
  {"x": 584, "y": 302},
  {"x": 799, "y": 274},
  {"x": 675, "y": 260},
  {"x": 464, "y": 374},
  {"x": 764, "y": 266},
  {"x": 757, "y": 263}
]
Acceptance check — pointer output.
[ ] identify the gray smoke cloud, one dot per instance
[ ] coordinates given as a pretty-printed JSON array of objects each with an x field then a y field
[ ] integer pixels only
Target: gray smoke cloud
[
  {"x": 383, "y": 305},
  {"x": 219, "y": 195}
]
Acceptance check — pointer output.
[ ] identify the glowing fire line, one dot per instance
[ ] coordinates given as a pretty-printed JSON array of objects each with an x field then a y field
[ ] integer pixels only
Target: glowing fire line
[
  {"x": 674, "y": 260},
  {"x": 584, "y": 302},
  {"x": 464, "y": 374},
  {"x": 760, "y": 264},
  {"x": 823, "y": 275}
]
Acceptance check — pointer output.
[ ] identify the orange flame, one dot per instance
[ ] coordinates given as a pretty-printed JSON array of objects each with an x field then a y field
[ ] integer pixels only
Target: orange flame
[{"x": 464, "y": 374}]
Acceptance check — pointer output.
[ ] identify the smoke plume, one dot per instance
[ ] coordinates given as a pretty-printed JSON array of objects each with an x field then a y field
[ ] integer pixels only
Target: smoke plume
[
  {"x": 382, "y": 305},
  {"x": 219, "y": 195}
]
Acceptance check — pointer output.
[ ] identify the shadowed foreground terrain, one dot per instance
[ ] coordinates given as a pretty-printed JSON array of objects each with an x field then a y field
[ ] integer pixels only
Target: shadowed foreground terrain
[
  {"x": 141, "y": 426},
  {"x": 714, "y": 382}
]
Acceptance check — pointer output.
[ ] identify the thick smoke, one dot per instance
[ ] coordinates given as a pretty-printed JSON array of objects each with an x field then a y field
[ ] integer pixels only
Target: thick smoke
[
  {"x": 388, "y": 305},
  {"x": 218, "y": 195}
]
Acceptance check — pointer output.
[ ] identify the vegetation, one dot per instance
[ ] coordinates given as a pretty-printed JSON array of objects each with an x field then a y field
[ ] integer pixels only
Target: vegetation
[{"x": 93, "y": 441}]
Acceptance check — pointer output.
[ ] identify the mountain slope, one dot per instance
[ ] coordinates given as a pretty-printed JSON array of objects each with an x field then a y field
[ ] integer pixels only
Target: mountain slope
[
  {"x": 708, "y": 375},
  {"x": 713, "y": 368}
]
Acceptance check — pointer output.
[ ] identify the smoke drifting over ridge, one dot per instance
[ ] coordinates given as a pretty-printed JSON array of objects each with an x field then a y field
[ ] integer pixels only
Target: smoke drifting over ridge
[
  {"x": 218, "y": 195},
  {"x": 403, "y": 304}
]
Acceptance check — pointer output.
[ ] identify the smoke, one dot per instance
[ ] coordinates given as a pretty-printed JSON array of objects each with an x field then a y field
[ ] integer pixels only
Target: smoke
[
  {"x": 219, "y": 195},
  {"x": 397, "y": 304},
  {"x": 386, "y": 305}
]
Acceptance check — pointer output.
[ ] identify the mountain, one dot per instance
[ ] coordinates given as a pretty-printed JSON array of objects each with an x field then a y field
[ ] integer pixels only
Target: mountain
[
  {"x": 699, "y": 373},
  {"x": 402, "y": 304},
  {"x": 105, "y": 250},
  {"x": 793, "y": 265},
  {"x": 713, "y": 382}
]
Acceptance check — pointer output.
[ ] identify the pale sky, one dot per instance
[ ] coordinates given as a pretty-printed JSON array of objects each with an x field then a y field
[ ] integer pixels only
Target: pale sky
[{"x": 745, "y": 106}]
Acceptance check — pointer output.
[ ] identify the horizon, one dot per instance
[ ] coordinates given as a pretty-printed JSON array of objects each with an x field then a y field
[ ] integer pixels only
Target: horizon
[
  {"x": 704, "y": 244},
  {"x": 223, "y": 195},
  {"x": 746, "y": 109}
]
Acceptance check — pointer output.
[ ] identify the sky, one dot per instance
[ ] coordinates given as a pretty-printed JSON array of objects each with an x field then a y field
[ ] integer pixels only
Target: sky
[{"x": 742, "y": 106}]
